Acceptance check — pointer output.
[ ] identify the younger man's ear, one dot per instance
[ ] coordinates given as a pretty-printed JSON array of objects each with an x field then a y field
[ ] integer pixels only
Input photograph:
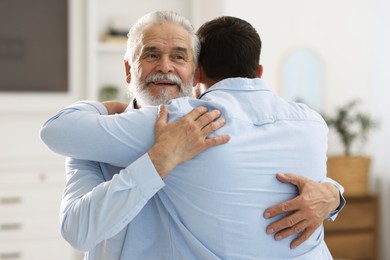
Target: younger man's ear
[
  {"x": 127, "y": 71},
  {"x": 197, "y": 76},
  {"x": 259, "y": 71}
]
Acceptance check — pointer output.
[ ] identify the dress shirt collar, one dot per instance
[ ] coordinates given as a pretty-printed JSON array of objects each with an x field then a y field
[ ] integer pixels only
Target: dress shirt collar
[{"x": 241, "y": 84}]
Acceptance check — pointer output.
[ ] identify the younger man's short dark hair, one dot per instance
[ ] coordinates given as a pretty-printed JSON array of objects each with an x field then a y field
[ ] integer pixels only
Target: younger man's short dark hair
[{"x": 230, "y": 47}]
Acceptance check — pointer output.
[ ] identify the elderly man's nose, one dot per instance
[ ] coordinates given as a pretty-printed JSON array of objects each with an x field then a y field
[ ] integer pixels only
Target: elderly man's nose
[{"x": 165, "y": 65}]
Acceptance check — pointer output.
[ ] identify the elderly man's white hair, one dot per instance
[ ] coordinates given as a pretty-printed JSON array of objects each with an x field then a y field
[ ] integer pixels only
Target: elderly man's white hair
[{"x": 159, "y": 17}]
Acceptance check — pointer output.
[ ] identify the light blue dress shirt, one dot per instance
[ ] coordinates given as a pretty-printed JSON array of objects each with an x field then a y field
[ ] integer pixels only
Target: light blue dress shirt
[{"x": 210, "y": 207}]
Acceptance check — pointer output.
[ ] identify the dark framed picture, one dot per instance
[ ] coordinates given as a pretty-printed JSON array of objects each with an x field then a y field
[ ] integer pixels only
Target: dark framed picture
[{"x": 34, "y": 46}]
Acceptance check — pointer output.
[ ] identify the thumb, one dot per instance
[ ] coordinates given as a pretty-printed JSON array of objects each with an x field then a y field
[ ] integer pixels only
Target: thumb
[
  {"x": 294, "y": 179},
  {"x": 162, "y": 116}
]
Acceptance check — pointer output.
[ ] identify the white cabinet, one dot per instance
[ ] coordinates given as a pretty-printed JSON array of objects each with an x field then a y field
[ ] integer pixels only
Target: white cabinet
[
  {"x": 36, "y": 250},
  {"x": 29, "y": 219},
  {"x": 104, "y": 60}
]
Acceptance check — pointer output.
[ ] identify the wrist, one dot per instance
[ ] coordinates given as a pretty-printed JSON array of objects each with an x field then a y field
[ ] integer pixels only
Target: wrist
[
  {"x": 115, "y": 107},
  {"x": 334, "y": 195},
  {"x": 160, "y": 161}
]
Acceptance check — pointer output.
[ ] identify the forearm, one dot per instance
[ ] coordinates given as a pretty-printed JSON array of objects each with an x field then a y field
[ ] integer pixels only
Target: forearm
[
  {"x": 93, "y": 210},
  {"x": 66, "y": 131},
  {"x": 85, "y": 131}
]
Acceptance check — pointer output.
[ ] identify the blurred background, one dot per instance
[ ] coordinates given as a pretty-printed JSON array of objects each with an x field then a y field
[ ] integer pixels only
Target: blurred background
[{"x": 323, "y": 53}]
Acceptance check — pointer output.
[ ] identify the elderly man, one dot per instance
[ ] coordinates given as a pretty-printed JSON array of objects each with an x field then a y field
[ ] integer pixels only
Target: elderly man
[{"x": 207, "y": 208}]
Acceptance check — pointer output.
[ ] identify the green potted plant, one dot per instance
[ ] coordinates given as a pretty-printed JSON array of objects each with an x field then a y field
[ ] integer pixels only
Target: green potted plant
[
  {"x": 109, "y": 92},
  {"x": 352, "y": 127}
]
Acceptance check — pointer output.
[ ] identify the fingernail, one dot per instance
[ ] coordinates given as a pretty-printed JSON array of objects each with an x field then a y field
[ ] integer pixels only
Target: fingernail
[
  {"x": 267, "y": 215},
  {"x": 270, "y": 230},
  {"x": 278, "y": 237}
]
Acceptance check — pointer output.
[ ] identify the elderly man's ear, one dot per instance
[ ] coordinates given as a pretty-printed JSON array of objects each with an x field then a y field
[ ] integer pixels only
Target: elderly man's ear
[{"x": 127, "y": 71}]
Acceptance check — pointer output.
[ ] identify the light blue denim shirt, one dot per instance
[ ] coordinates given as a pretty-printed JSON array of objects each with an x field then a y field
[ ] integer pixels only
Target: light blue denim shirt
[{"x": 210, "y": 207}]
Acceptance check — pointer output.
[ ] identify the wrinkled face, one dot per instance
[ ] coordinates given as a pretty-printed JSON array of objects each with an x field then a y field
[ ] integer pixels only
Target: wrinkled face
[{"x": 164, "y": 67}]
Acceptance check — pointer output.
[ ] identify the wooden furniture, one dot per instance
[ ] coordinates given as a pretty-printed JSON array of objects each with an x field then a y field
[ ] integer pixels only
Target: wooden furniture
[{"x": 354, "y": 233}]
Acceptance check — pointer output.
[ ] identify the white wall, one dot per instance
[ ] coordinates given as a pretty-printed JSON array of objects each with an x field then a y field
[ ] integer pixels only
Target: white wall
[
  {"x": 380, "y": 87},
  {"x": 351, "y": 38},
  {"x": 340, "y": 32}
]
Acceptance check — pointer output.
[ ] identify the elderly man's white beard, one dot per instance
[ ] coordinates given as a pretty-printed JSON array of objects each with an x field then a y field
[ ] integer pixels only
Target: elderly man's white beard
[{"x": 141, "y": 92}]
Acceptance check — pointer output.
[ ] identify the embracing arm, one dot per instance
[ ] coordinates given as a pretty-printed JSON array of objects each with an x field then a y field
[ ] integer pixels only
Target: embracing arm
[
  {"x": 85, "y": 131},
  {"x": 315, "y": 203},
  {"x": 93, "y": 209}
]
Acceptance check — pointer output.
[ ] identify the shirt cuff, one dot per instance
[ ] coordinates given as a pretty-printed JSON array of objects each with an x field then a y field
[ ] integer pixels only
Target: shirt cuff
[
  {"x": 145, "y": 176},
  {"x": 333, "y": 215}
]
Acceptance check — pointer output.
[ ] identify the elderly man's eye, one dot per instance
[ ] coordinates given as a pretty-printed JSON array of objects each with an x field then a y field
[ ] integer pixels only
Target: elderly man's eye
[
  {"x": 149, "y": 56},
  {"x": 152, "y": 56},
  {"x": 179, "y": 57}
]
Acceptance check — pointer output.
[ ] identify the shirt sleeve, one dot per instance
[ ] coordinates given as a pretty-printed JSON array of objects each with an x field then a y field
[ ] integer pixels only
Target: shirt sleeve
[
  {"x": 333, "y": 215},
  {"x": 85, "y": 131},
  {"x": 93, "y": 209}
]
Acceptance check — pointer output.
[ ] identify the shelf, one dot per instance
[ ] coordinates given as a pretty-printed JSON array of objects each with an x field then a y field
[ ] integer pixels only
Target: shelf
[{"x": 119, "y": 47}]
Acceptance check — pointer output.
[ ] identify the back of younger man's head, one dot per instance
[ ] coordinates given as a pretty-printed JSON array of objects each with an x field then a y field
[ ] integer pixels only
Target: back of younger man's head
[{"x": 230, "y": 47}]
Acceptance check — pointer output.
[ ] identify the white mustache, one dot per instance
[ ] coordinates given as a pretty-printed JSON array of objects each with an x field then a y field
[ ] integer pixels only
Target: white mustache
[{"x": 160, "y": 76}]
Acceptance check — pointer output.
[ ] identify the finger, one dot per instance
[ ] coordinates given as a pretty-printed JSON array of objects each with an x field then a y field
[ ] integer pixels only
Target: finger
[
  {"x": 296, "y": 229},
  {"x": 162, "y": 116},
  {"x": 213, "y": 126},
  {"x": 195, "y": 113},
  {"x": 218, "y": 140},
  {"x": 294, "y": 179},
  {"x": 285, "y": 222},
  {"x": 207, "y": 118},
  {"x": 302, "y": 238},
  {"x": 282, "y": 208}
]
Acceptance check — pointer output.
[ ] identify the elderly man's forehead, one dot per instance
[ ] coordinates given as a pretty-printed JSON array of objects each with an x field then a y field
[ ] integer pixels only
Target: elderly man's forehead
[{"x": 167, "y": 33}]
